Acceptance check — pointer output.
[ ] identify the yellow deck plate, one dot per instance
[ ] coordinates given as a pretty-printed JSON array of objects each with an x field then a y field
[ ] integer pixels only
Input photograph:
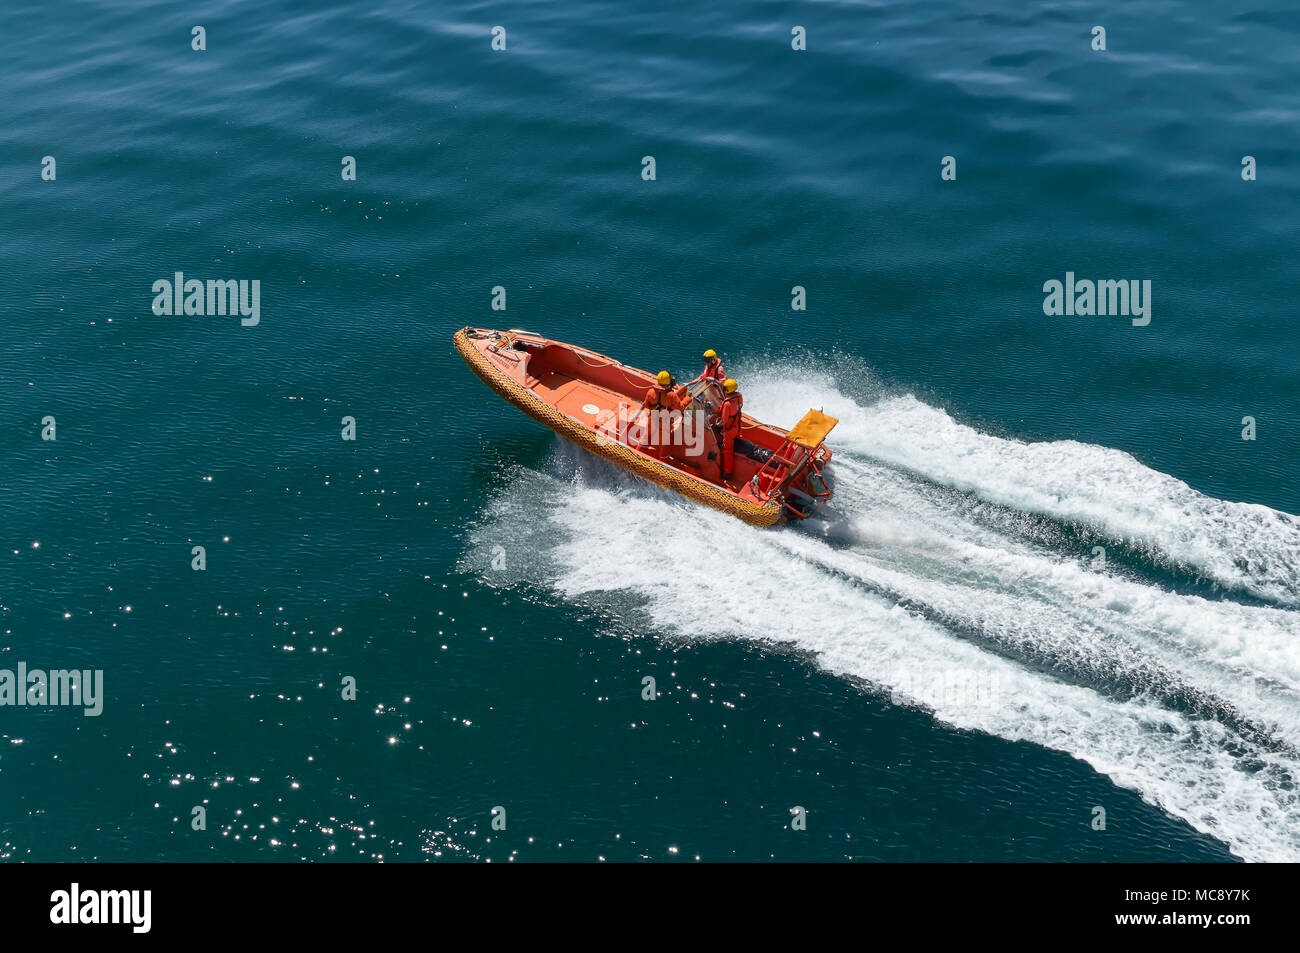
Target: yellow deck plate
[{"x": 812, "y": 430}]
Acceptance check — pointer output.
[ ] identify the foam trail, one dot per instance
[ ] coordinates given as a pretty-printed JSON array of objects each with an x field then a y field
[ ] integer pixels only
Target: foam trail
[
  {"x": 1252, "y": 642},
  {"x": 929, "y": 593},
  {"x": 1242, "y": 546}
]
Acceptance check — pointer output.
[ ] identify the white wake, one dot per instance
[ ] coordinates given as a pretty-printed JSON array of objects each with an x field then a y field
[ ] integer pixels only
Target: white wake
[{"x": 953, "y": 574}]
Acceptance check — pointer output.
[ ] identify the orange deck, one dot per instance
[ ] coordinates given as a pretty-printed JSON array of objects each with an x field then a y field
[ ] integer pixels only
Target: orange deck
[{"x": 574, "y": 391}]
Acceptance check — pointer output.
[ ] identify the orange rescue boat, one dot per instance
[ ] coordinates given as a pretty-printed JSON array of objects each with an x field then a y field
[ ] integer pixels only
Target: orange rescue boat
[{"x": 590, "y": 399}]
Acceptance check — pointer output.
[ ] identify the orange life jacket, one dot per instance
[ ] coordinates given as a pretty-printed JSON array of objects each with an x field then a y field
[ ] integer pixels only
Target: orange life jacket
[
  {"x": 657, "y": 398},
  {"x": 713, "y": 371},
  {"x": 729, "y": 413}
]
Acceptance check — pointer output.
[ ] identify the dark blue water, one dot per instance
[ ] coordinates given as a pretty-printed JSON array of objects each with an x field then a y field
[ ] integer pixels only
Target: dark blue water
[{"x": 945, "y": 667}]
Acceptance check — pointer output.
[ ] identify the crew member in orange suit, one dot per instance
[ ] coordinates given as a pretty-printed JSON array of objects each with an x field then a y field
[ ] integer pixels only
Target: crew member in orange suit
[
  {"x": 729, "y": 426},
  {"x": 712, "y": 368},
  {"x": 662, "y": 396}
]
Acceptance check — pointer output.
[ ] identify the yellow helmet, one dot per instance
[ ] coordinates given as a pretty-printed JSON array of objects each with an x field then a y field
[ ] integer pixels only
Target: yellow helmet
[
  {"x": 730, "y": 385},
  {"x": 665, "y": 378},
  {"x": 710, "y": 355}
]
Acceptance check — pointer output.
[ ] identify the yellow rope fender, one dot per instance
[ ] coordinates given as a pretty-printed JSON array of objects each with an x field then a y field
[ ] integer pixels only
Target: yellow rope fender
[{"x": 701, "y": 491}]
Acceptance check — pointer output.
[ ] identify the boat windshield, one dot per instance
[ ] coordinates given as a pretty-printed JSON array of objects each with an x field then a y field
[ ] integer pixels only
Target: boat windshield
[{"x": 705, "y": 395}]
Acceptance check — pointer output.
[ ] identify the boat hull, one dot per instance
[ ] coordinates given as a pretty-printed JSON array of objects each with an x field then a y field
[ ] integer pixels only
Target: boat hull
[{"x": 694, "y": 488}]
